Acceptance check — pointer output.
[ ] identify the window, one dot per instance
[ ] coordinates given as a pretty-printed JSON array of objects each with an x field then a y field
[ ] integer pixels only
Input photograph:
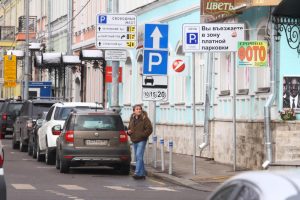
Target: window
[
  {"x": 263, "y": 74},
  {"x": 97, "y": 123},
  {"x": 39, "y": 108},
  {"x": 48, "y": 117},
  {"x": 243, "y": 73},
  {"x": 180, "y": 82},
  {"x": 139, "y": 79},
  {"x": 224, "y": 64},
  {"x": 127, "y": 81},
  {"x": 200, "y": 77},
  {"x": 226, "y": 193}
]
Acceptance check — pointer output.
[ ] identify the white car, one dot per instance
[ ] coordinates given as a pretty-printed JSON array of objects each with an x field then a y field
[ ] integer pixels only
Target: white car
[
  {"x": 58, "y": 113},
  {"x": 261, "y": 185}
]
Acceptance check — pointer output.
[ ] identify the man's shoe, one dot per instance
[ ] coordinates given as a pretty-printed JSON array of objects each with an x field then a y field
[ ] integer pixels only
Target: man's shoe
[{"x": 136, "y": 177}]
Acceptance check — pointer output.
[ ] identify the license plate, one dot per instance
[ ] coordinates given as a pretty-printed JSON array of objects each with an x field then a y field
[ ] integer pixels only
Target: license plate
[
  {"x": 9, "y": 129},
  {"x": 96, "y": 142}
]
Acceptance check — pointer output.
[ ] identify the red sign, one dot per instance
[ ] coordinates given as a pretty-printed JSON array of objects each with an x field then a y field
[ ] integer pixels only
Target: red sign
[
  {"x": 178, "y": 65},
  {"x": 108, "y": 74}
]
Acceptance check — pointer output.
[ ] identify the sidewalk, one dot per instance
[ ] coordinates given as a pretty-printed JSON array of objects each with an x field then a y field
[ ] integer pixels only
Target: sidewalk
[{"x": 209, "y": 174}]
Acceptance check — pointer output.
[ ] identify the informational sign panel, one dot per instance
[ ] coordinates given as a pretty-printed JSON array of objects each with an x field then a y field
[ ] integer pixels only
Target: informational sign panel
[
  {"x": 116, "y": 31},
  {"x": 155, "y": 88},
  {"x": 253, "y": 54},
  {"x": 115, "y": 55},
  {"x": 212, "y": 37},
  {"x": 10, "y": 71}
]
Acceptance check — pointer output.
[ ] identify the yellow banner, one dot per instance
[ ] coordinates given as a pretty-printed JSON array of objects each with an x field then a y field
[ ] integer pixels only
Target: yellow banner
[
  {"x": 253, "y": 54},
  {"x": 10, "y": 70}
]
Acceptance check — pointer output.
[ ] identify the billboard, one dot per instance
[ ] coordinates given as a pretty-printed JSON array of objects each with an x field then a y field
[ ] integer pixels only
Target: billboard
[{"x": 253, "y": 54}]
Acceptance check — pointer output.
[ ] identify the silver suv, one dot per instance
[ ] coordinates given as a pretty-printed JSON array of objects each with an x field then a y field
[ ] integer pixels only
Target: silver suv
[{"x": 93, "y": 138}]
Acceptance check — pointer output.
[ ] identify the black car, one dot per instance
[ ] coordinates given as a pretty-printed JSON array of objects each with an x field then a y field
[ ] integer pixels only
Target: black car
[
  {"x": 24, "y": 123},
  {"x": 8, "y": 113}
]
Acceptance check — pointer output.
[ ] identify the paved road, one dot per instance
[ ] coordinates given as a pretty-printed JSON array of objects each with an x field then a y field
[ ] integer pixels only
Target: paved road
[{"x": 28, "y": 179}]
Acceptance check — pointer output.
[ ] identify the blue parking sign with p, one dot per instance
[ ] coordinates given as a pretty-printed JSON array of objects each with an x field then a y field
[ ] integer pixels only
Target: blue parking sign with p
[
  {"x": 102, "y": 19},
  {"x": 192, "y": 38},
  {"x": 155, "y": 62}
]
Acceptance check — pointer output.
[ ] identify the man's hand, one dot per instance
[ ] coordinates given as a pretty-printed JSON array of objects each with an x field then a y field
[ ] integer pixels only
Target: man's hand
[{"x": 129, "y": 132}]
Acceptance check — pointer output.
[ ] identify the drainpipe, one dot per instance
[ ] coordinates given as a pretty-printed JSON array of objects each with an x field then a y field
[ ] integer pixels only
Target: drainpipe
[
  {"x": 207, "y": 102},
  {"x": 270, "y": 101}
]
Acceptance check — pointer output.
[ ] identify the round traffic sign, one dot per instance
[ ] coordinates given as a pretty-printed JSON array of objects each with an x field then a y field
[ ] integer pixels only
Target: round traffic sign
[{"x": 178, "y": 65}]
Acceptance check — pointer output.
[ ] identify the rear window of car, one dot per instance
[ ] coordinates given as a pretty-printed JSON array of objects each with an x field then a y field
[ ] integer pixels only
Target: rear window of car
[
  {"x": 14, "y": 107},
  {"x": 63, "y": 112},
  {"x": 40, "y": 108},
  {"x": 98, "y": 122}
]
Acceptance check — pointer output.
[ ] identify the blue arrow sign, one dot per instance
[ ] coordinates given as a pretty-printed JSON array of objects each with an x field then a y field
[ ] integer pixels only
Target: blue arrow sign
[{"x": 156, "y": 36}]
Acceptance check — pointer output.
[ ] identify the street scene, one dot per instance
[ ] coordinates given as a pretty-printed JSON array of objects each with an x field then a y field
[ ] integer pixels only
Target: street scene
[{"x": 149, "y": 99}]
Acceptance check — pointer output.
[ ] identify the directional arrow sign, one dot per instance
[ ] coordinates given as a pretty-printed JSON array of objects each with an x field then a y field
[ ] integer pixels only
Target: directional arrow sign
[{"x": 156, "y": 36}]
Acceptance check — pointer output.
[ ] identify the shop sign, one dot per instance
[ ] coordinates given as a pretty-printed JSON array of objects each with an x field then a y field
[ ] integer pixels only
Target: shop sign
[
  {"x": 216, "y": 9},
  {"x": 253, "y": 54}
]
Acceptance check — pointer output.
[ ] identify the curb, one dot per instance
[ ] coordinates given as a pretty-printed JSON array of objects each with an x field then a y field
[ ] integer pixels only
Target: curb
[{"x": 175, "y": 180}]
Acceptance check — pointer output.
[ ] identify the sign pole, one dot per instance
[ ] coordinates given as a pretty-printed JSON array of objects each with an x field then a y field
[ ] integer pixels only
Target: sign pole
[
  {"x": 234, "y": 108},
  {"x": 194, "y": 114},
  {"x": 154, "y": 135},
  {"x": 115, "y": 85}
]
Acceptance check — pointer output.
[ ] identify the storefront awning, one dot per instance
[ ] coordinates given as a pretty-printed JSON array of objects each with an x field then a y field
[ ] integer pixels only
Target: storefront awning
[{"x": 288, "y": 8}]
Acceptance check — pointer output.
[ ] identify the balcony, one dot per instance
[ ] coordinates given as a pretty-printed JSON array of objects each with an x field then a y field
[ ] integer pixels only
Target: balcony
[{"x": 21, "y": 35}]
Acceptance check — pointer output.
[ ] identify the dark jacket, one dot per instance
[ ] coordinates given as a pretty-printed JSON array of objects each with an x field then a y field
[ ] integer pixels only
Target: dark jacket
[{"x": 141, "y": 127}]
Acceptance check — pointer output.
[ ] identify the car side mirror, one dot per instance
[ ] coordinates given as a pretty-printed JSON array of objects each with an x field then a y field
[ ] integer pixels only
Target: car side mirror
[{"x": 39, "y": 122}]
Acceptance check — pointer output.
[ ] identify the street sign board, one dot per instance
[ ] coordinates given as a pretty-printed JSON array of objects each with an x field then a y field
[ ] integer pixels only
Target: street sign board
[
  {"x": 253, "y": 54},
  {"x": 212, "y": 37},
  {"x": 116, "y": 31},
  {"x": 156, "y": 36},
  {"x": 155, "y": 88},
  {"x": 156, "y": 49},
  {"x": 10, "y": 71},
  {"x": 115, "y": 55},
  {"x": 155, "y": 62}
]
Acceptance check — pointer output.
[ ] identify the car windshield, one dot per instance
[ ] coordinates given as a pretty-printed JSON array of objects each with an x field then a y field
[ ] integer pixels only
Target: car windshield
[
  {"x": 13, "y": 108},
  {"x": 63, "y": 113},
  {"x": 40, "y": 108},
  {"x": 98, "y": 122}
]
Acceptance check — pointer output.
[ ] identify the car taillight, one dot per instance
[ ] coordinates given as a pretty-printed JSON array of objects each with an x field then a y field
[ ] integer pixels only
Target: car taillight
[
  {"x": 29, "y": 124},
  {"x": 69, "y": 136},
  {"x": 123, "y": 137},
  {"x": 4, "y": 116},
  {"x": 1, "y": 161}
]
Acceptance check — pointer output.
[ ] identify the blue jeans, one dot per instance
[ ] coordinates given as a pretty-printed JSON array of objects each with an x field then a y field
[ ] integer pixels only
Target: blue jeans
[{"x": 139, "y": 149}]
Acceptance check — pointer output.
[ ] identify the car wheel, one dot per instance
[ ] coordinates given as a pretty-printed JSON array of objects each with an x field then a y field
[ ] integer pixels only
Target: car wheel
[
  {"x": 22, "y": 146},
  {"x": 30, "y": 149},
  {"x": 57, "y": 161},
  {"x": 14, "y": 143},
  {"x": 34, "y": 151},
  {"x": 49, "y": 157},
  {"x": 63, "y": 166},
  {"x": 39, "y": 156}
]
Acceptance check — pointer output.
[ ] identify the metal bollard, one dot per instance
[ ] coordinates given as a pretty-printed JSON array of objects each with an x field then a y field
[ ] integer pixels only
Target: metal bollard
[
  {"x": 170, "y": 157},
  {"x": 154, "y": 149},
  {"x": 162, "y": 154}
]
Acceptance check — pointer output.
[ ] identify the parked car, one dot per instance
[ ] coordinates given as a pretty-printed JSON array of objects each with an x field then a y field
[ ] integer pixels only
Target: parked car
[
  {"x": 8, "y": 113},
  {"x": 33, "y": 135},
  {"x": 263, "y": 185},
  {"x": 2, "y": 179},
  {"x": 58, "y": 113},
  {"x": 93, "y": 137},
  {"x": 25, "y": 121}
]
